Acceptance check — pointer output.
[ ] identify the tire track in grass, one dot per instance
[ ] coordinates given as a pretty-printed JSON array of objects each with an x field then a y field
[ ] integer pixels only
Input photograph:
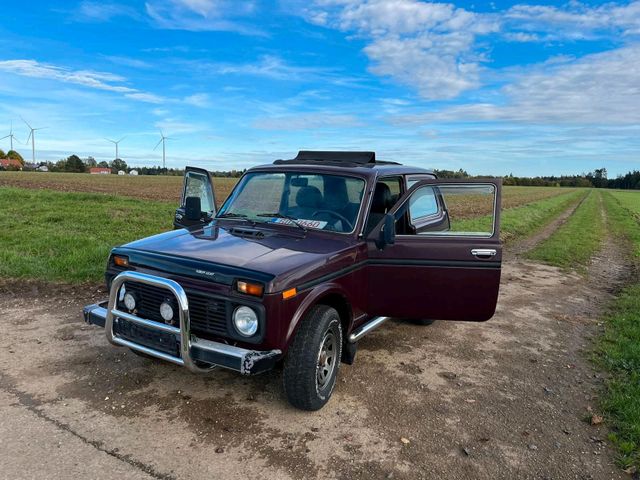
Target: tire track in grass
[{"x": 577, "y": 240}]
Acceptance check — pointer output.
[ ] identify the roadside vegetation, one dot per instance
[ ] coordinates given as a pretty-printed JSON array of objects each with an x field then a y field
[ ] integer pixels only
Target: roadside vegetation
[
  {"x": 575, "y": 242},
  {"x": 619, "y": 348}
]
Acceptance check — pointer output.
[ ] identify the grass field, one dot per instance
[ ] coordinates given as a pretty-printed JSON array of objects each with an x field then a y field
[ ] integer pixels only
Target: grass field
[
  {"x": 148, "y": 187},
  {"x": 575, "y": 242},
  {"x": 619, "y": 349},
  {"x": 66, "y": 236},
  {"x": 169, "y": 188}
]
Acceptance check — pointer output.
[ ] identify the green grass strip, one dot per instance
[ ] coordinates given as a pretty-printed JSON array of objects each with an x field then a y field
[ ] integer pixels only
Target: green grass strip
[
  {"x": 618, "y": 350},
  {"x": 519, "y": 222},
  {"x": 66, "y": 237},
  {"x": 575, "y": 242}
]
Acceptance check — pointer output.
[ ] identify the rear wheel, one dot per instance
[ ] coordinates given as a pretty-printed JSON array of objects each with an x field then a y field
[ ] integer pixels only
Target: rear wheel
[
  {"x": 421, "y": 321},
  {"x": 311, "y": 366}
]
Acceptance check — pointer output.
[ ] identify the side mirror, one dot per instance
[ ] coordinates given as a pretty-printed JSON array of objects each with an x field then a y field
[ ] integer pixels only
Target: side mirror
[
  {"x": 388, "y": 232},
  {"x": 193, "y": 208}
]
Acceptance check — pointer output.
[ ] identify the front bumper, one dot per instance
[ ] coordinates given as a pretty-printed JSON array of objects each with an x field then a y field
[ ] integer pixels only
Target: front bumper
[{"x": 197, "y": 354}]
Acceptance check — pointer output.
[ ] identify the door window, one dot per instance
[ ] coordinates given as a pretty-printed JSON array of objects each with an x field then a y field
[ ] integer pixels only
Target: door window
[
  {"x": 197, "y": 185},
  {"x": 423, "y": 203},
  {"x": 454, "y": 209}
]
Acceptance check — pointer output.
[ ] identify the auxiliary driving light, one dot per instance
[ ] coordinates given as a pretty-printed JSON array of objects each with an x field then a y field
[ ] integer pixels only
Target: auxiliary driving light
[
  {"x": 166, "y": 311},
  {"x": 129, "y": 301},
  {"x": 245, "y": 321}
]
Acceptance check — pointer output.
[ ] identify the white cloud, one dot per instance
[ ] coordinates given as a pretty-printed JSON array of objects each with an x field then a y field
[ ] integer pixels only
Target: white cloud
[
  {"x": 32, "y": 68},
  {"x": 87, "y": 78},
  {"x": 434, "y": 48},
  {"x": 574, "y": 20},
  {"x": 201, "y": 100},
  {"x": 427, "y": 46},
  {"x": 146, "y": 97},
  {"x": 202, "y": 15},
  {"x": 304, "y": 121},
  {"x": 600, "y": 88},
  {"x": 268, "y": 66},
  {"x": 89, "y": 11}
]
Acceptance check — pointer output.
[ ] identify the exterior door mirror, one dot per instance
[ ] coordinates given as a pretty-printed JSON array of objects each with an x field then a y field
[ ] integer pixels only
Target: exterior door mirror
[
  {"x": 193, "y": 208},
  {"x": 387, "y": 235},
  {"x": 197, "y": 204}
]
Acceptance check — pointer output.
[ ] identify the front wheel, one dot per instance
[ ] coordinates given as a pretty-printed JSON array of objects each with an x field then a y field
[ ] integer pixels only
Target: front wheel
[{"x": 311, "y": 366}]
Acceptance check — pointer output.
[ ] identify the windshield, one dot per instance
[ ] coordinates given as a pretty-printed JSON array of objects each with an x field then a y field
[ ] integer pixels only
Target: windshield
[{"x": 310, "y": 200}]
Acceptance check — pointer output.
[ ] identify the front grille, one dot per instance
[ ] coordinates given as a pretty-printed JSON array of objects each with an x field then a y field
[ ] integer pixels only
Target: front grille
[{"x": 208, "y": 315}]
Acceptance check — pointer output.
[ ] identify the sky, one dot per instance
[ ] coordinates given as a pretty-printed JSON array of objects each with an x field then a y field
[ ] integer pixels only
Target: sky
[{"x": 544, "y": 88}]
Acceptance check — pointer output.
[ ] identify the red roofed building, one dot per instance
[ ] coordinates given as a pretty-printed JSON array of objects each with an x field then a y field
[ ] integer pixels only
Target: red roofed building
[
  {"x": 100, "y": 171},
  {"x": 10, "y": 162}
]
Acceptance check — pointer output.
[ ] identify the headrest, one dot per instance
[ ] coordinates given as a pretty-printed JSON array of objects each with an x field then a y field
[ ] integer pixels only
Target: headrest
[
  {"x": 381, "y": 198},
  {"x": 309, "y": 197}
]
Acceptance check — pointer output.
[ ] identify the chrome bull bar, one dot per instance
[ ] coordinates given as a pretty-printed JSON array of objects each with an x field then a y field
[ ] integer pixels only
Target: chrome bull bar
[{"x": 210, "y": 354}]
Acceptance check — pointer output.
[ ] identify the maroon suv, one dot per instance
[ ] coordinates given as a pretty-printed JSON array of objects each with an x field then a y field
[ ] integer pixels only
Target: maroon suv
[{"x": 304, "y": 258}]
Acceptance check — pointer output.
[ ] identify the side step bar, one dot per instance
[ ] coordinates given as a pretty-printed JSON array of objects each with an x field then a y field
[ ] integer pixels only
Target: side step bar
[{"x": 368, "y": 327}]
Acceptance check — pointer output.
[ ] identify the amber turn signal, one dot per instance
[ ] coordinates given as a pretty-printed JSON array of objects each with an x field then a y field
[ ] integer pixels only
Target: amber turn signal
[
  {"x": 254, "y": 289},
  {"x": 121, "y": 261},
  {"x": 289, "y": 293}
]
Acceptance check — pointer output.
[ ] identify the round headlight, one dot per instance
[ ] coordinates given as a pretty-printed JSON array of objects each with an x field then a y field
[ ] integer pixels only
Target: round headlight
[
  {"x": 245, "y": 321},
  {"x": 129, "y": 301},
  {"x": 166, "y": 311}
]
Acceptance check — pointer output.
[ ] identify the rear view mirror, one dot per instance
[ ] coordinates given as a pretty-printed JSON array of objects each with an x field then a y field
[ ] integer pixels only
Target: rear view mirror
[
  {"x": 193, "y": 209},
  {"x": 299, "y": 182}
]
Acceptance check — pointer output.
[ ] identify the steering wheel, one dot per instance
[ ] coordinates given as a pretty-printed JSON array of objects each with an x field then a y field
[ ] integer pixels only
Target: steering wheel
[{"x": 335, "y": 214}]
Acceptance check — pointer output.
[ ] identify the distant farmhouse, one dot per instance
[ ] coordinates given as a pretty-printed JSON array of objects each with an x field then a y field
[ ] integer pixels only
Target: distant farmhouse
[
  {"x": 7, "y": 163},
  {"x": 100, "y": 171}
]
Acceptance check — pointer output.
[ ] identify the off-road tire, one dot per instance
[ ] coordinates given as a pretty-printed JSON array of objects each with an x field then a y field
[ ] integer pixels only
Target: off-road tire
[
  {"x": 301, "y": 366},
  {"x": 421, "y": 321}
]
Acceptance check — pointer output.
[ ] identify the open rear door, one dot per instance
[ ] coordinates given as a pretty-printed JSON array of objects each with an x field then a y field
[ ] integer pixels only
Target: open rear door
[
  {"x": 443, "y": 260},
  {"x": 198, "y": 202}
]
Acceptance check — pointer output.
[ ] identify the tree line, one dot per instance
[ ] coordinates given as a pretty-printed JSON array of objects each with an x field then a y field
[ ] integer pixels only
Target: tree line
[
  {"x": 75, "y": 164},
  {"x": 598, "y": 179}
]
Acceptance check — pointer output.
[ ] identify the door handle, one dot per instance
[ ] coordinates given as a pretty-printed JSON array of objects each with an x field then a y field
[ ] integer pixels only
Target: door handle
[{"x": 483, "y": 252}]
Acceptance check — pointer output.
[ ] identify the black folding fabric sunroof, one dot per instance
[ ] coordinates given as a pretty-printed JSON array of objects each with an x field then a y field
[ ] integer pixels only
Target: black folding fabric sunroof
[{"x": 359, "y": 158}]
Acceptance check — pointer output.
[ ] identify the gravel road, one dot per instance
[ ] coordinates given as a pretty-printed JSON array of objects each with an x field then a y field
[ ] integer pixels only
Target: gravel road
[{"x": 508, "y": 398}]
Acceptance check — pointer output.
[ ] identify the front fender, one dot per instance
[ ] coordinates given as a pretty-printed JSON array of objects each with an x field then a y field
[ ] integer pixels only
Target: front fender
[{"x": 312, "y": 299}]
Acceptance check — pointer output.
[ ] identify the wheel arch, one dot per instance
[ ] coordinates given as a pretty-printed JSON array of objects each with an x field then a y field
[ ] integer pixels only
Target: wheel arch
[{"x": 328, "y": 294}]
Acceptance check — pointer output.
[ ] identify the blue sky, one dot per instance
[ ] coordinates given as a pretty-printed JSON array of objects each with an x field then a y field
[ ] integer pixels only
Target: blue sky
[{"x": 492, "y": 87}]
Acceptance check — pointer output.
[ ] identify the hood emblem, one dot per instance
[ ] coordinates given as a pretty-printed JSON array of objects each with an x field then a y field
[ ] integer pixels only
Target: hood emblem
[{"x": 205, "y": 272}]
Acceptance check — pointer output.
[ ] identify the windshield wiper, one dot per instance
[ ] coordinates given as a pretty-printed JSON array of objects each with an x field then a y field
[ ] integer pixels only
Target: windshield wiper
[
  {"x": 231, "y": 215},
  {"x": 236, "y": 216},
  {"x": 293, "y": 220}
]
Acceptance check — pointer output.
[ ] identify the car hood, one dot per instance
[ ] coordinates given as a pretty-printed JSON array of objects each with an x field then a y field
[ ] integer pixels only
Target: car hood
[{"x": 286, "y": 257}]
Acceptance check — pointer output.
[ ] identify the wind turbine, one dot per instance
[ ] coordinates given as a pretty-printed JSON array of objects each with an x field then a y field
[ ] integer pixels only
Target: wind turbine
[
  {"x": 11, "y": 136},
  {"x": 32, "y": 136},
  {"x": 163, "y": 142},
  {"x": 116, "y": 144}
]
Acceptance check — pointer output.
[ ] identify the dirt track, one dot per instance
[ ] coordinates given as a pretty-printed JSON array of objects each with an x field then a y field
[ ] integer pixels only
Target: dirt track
[{"x": 503, "y": 399}]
